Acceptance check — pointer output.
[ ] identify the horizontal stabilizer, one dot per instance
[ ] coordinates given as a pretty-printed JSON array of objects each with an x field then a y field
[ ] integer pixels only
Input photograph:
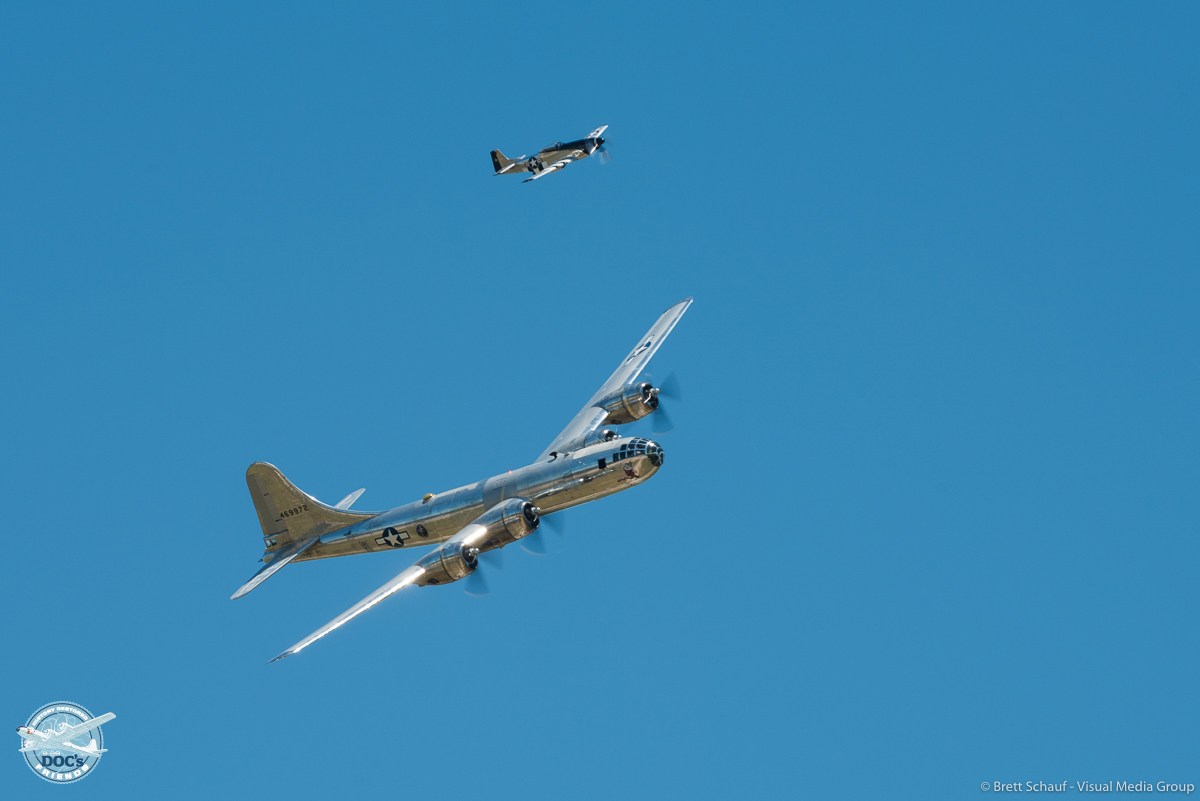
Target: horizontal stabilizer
[
  {"x": 281, "y": 557},
  {"x": 348, "y": 501}
]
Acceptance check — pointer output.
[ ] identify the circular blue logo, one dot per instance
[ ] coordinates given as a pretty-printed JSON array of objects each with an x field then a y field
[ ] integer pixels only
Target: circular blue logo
[{"x": 62, "y": 742}]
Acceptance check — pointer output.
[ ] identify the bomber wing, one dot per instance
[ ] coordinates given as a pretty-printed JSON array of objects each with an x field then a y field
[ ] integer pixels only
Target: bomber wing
[
  {"x": 592, "y": 417},
  {"x": 406, "y": 577},
  {"x": 470, "y": 534}
]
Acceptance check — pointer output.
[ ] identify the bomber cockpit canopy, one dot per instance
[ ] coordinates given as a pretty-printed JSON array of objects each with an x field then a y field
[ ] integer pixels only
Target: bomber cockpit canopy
[
  {"x": 639, "y": 446},
  {"x": 632, "y": 447}
]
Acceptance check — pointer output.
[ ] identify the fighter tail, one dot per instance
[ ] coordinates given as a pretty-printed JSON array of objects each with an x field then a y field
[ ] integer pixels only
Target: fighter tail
[{"x": 503, "y": 164}]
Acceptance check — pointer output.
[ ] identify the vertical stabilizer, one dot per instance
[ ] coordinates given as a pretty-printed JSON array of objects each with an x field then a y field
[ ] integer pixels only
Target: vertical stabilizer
[
  {"x": 287, "y": 513},
  {"x": 499, "y": 162}
]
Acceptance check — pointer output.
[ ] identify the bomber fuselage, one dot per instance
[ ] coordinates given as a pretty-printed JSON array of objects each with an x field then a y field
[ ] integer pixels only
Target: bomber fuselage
[{"x": 568, "y": 480}]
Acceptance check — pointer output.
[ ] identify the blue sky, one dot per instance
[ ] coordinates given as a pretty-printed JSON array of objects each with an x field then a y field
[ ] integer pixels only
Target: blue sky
[{"x": 927, "y": 518}]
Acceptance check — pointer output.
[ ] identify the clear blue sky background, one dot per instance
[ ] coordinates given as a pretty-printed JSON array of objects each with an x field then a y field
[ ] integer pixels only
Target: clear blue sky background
[{"x": 928, "y": 517}]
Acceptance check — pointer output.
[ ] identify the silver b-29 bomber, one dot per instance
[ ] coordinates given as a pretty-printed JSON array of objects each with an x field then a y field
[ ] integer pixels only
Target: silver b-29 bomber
[{"x": 586, "y": 461}]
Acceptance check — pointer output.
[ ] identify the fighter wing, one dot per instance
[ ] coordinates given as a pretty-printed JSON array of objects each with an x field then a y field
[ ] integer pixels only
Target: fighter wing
[
  {"x": 596, "y": 133},
  {"x": 592, "y": 416},
  {"x": 558, "y": 165}
]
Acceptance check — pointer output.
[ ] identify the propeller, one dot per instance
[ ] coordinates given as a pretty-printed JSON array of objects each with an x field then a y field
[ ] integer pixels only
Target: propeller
[
  {"x": 477, "y": 584},
  {"x": 669, "y": 388},
  {"x": 535, "y": 543},
  {"x": 601, "y": 151},
  {"x": 662, "y": 422}
]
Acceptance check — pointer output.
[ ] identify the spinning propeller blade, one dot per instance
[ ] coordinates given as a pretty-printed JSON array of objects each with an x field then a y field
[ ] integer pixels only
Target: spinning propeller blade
[
  {"x": 535, "y": 543},
  {"x": 661, "y": 422},
  {"x": 477, "y": 584},
  {"x": 670, "y": 387}
]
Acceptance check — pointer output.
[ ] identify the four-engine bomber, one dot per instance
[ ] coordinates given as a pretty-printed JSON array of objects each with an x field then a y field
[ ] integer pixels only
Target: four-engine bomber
[{"x": 586, "y": 461}]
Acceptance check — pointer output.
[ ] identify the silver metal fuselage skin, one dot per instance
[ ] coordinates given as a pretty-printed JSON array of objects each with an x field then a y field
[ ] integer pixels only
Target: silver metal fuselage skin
[{"x": 584, "y": 475}]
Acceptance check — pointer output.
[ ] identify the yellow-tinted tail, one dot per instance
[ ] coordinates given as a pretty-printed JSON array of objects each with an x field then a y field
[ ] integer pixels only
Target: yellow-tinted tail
[{"x": 287, "y": 513}]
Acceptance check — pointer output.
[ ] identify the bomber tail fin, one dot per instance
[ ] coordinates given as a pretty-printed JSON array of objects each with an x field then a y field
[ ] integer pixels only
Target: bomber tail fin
[
  {"x": 292, "y": 520},
  {"x": 287, "y": 513}
]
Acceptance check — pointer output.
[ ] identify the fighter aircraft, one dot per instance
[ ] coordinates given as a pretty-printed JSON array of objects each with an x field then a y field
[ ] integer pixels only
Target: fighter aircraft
[
  {"x": 587, "y": 460},
  {"x": 62, "y": 736},
  {"x": 552, "y": 157}
]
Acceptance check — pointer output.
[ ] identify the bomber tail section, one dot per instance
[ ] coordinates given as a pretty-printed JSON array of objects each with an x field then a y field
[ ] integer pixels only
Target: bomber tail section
[
  {"x": 292, "y": 521},
  {"x": 274, "y": 561},
  {"x": 287, "y": 513}
]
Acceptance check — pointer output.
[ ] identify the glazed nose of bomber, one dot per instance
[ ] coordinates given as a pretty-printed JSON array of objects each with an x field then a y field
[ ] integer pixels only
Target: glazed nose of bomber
[{"x": 654, "y": 453}]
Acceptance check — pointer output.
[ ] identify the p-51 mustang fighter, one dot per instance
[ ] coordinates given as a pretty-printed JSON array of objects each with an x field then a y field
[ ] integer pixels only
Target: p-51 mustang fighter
[
  {"x": 551, "y": 158},
  {"x": 586, "y": 461},
  {"x": 60, "y": 738}
]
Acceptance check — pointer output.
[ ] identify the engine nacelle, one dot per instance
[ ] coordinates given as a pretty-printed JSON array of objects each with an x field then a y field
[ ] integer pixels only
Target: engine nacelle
[
  {"x": 505, "y": 522},
  {"x": 632, "y": 403},
  {"x": 451, "y": 562}
]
